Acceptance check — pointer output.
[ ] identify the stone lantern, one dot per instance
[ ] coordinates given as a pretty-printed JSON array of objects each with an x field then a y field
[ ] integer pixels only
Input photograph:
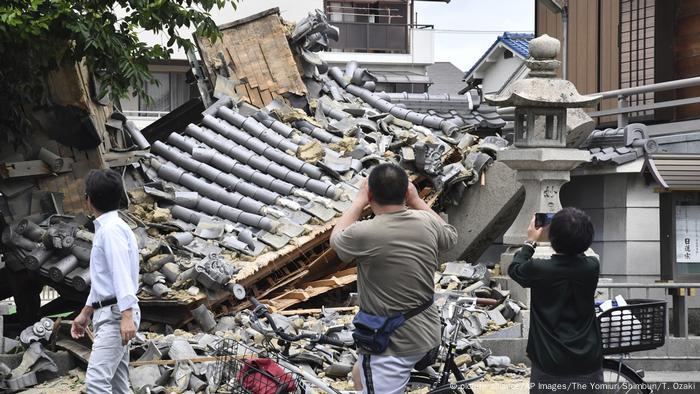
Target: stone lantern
[{"x": 540, "y": 157}]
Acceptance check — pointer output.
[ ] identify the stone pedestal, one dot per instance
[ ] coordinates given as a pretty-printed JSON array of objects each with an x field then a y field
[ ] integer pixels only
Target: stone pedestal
[{"x": 542, "y": 171}]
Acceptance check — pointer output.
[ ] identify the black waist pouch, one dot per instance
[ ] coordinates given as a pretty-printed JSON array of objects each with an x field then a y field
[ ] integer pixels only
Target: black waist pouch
[{"x": 372, "y": 333}]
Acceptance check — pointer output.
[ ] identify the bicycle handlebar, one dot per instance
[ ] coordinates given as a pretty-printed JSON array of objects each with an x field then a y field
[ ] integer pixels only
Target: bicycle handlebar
[
  {"x": 261, "y": 310},
  {"x": 255, "y": 302},
  {"x": 325, "y": 339}
]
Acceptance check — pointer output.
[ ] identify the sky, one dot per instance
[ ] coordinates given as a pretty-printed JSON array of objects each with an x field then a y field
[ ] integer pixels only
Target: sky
[{"x": 465, "y": 47}]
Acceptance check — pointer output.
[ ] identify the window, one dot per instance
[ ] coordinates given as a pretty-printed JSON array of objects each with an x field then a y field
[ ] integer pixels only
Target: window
[
  {"x": 171, "y": 91},
  {"x": 637, "y": 49}
]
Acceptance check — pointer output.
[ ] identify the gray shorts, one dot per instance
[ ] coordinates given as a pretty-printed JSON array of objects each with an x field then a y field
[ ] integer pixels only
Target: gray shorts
[{"x": 386, "y": 374}]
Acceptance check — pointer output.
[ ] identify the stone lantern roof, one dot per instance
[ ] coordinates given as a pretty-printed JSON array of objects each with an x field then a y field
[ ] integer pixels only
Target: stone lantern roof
[{"x": 542, "y": 88}]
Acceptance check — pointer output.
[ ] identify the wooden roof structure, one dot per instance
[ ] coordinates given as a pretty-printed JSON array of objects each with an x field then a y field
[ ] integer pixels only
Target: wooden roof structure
[{"x": 254, "y": 56}]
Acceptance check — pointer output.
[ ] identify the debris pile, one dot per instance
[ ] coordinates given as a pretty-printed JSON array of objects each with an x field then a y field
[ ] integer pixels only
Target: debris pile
[
  {"x": 247, "y": 195},
  {"x": 179, "y": 360},
  {"x": 26, "y": 362}
]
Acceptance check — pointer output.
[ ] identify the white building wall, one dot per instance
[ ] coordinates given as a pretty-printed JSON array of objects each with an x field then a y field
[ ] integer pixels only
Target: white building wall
[
  {"x": 290, "y": 10},
  {"x": 422, "y": 40},
  {"x": 497, "y": 70}
]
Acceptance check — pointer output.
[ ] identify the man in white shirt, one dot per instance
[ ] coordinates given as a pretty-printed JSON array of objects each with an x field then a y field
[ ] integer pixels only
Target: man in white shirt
[{"x": 114, "y": 270}]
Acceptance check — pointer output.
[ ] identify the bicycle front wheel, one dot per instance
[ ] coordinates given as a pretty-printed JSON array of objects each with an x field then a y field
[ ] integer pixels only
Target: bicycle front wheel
[{"x": 621, "y": 379}]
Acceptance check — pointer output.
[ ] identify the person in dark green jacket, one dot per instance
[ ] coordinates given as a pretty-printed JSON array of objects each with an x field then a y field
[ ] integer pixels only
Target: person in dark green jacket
[{"x": 564, "y": 343}]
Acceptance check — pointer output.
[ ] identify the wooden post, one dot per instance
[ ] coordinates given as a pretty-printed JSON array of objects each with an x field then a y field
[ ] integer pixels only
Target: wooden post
[{"x": 679, "y": 328}]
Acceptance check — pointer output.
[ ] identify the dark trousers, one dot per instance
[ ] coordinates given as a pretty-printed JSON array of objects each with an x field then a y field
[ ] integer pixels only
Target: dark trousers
[{"x": 541, "y": 382}]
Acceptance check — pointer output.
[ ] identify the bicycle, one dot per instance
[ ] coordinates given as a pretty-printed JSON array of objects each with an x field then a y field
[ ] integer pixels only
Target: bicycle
[
  {"x": 235, "y": 357},
  {"x": 242, "y": 368},
  {"x": 449, "y": 378},
  {"x": 639, "y": 325}
]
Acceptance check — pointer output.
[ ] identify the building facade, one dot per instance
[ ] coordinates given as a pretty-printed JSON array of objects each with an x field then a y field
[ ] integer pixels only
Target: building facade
[
  {"x": 502, "y": 64},
  {"x": 620, "y": 44},
  {"x": 382, "y": 36}
]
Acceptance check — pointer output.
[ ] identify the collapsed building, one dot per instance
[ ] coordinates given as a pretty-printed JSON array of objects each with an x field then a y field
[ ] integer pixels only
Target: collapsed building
[{"x": 243, "y": 189}]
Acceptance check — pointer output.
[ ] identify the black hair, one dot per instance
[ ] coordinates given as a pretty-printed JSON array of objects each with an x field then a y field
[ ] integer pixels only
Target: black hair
[
  {"x": 104, "y": 187},
  {"x": 571, "y": 231},
  {"x": 388, "y": 183}
]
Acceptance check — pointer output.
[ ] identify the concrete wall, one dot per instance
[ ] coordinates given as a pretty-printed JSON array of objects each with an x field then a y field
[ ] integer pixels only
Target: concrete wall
[{"x": 625, "y": 214}]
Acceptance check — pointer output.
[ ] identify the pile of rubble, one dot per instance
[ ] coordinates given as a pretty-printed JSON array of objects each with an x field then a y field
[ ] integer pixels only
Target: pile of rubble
[
  {"x": 247, "y": 194},
  {"x": 25, "y": 361},
  {"x": 179, "y": 360},
  {"x": 225, "y": 199}
]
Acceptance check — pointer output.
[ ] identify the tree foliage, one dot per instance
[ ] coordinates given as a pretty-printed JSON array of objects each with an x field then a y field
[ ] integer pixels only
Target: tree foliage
[{"x": 36, "y": 36}]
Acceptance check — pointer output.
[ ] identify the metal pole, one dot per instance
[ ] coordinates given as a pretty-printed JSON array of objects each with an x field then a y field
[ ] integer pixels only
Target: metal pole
[
  {"x": 654, "y": 87},
  {"x": 622, "y": 119},
  {"x": 565, "y": 39},
  {"x": 680, "y": 313}
]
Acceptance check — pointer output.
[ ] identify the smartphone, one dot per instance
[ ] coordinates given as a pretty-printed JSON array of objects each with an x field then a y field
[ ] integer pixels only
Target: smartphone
[{"x": 543, "y": 219}]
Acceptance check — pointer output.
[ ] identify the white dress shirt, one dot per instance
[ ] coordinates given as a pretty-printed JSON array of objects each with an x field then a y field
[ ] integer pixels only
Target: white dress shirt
[{"x": 114, "y": 262}]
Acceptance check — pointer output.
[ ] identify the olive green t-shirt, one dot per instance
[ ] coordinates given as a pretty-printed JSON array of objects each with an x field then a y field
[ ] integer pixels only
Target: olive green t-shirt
[{"x": 396, "y": 255}]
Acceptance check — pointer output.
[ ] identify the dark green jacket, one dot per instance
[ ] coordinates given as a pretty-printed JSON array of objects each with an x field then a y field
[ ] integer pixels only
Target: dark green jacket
[{"x": 564, "y": 334}]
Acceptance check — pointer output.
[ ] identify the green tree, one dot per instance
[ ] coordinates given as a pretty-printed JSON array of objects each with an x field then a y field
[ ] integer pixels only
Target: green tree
[{"x": 37, "y": 36}]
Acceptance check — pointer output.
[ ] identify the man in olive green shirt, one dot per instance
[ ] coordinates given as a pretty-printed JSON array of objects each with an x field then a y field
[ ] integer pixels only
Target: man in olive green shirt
[{"x": 396, "y": 254}]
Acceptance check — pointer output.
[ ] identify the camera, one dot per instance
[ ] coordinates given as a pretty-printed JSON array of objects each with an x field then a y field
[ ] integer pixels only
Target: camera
[{"x": 543, "y": 219}]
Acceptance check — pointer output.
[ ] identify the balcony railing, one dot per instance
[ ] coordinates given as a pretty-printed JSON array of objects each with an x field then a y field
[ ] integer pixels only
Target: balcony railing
[
  {"x": 374, "y": 37},
  {"x": 145, "y": 114},
  {"x": 624, "y": 109}
]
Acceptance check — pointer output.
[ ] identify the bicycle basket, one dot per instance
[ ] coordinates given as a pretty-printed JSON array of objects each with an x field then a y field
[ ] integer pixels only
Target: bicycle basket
[
  {"x": 640, "y": 325},
  {"x": 243, "y": 369}
]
